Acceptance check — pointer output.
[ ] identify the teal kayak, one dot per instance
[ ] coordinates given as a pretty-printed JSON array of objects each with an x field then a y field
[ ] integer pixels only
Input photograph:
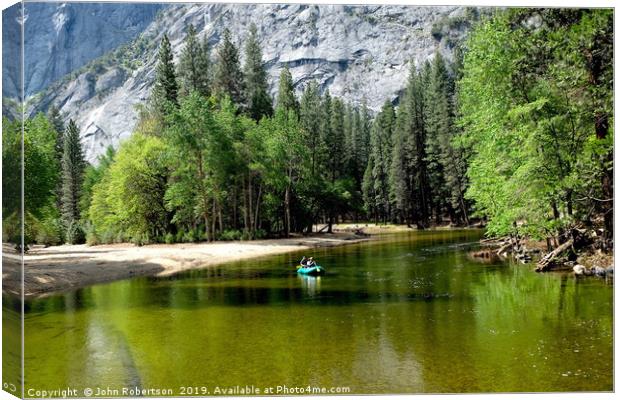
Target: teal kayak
[{"x": 316, "y": 270}]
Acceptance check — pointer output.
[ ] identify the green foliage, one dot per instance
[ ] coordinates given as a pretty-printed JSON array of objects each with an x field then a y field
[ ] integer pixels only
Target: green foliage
[
  {"x": 75, "y": 233},
  {"x": 533, "y": 95},
  {"x": 231, "y": 234},
  {"x": 526, "y": 135},
  {"x": 41, "y": 177},
  {"x": 127, "y": 202},
  {"x": 381, "y": 154},
  {"x": 335, "y": 142},
  {"x": 256, "y": 86},
  {"x": 57, "y": 121},
  {"x": 193, "y": 68},
  {"x": 73, "y": 165},
  {"x": 286, "y": 100},
  {"x": 229, "y": 80},
  {"x": 310, "y": 112},
  {"x": 93, "y": 174},
  {"x": 165, "y": 88}
]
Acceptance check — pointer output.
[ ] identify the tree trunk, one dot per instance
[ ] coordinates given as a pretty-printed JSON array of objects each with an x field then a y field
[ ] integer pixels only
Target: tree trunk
[
  {"x": 287, "y": 211},
  {"x": 213, "y": 221},
  {"x": 463, "y": 209},
  {"x": 256, "y": 209},
  {"x": 251, "y": 228},
  {"x": 543, "y": 263},
  {"x": 204, "y": 195},
  {"x": 234, "y": 210}
]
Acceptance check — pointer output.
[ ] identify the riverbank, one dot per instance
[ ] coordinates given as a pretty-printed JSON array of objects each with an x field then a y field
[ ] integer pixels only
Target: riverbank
[{"x": 66, "y": 267}]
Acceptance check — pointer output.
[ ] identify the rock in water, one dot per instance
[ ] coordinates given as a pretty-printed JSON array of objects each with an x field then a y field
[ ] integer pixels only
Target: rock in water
[{"x": 580, "y": 269}]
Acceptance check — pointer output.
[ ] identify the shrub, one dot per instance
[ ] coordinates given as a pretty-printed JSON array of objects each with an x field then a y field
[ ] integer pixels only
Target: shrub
[
  {"x": 246, "y": 235},
  {"x": 48, "y": 233},
  {"x": 75, "y": 233},
  {"x": 188, "y": 237},
  {"x": 120, "y": 237},
  {"x": 169, "y": 238},
  {"x": 230, "y": 234},
  {"x": 141, "y": 239},
  {"x": 92, "y": 239}
]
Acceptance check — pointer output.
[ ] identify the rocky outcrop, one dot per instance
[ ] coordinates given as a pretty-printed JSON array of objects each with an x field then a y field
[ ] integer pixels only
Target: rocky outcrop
[
  {"x": 62, "y": 37},
  {"x": 358, "y": 52}
]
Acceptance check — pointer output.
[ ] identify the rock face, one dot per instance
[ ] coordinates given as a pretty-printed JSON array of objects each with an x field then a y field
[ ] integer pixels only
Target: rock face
[
  {"x": 358, "y": 52},
  {"x": 59, "y": 38}
]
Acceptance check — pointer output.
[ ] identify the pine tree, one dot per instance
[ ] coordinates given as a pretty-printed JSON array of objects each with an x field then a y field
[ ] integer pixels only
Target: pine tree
[
  {"x": 416, "y": 127},
  {"x": 363, "y": 137},
  {"x": 381, "y": 147},
  {"x": 229, "y": 79},
  {"x": 325, "y": 129},
  {"x": 193, "y": 69},
  {"x": 256, "y": 86},
  {"x": 165, "y": 89},
  {"x": 286, "y": 92},
  {"x": 400, "y": 174},
  {"x": 310, "y": 119},
  {"x": 55, "y": 118},
  {"x": 368, "y": 190},
  {"x": 73, "y": 165},
  {"x": 335, "y": 142},
  {"x": 349, "y": 157},
  {"x": 446, "y": 164}
]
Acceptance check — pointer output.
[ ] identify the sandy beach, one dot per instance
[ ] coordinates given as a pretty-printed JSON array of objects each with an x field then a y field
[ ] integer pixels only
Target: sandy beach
[{"x": 59, "y": 268}]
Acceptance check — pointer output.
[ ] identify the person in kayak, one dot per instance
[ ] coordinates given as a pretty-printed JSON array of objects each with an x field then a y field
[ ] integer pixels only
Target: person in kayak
[
  {"x": 304, "y": 261},
  {"x": 311, "y": 262}
]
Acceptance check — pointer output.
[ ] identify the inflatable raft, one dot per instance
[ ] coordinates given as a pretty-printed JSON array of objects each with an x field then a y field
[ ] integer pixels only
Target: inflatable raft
[{"x": 314, "y": 271}]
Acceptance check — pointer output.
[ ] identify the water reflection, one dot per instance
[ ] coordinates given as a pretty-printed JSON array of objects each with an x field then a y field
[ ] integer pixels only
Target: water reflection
[
  {"x": 410, "y": 314},
  {"x": 310, "y": 285}
]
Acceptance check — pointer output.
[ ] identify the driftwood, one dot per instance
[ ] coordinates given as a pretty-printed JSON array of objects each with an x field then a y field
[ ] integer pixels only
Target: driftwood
[
  {"x": 543, "y": 264},
  {"x": 503, "y": 249}
]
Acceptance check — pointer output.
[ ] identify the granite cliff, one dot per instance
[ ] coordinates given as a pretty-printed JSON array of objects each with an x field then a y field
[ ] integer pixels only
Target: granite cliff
[{"x": 358, "y": 52}]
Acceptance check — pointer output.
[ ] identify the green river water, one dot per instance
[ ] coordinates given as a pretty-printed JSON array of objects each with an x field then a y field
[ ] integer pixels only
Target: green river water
[{"x": 409, "y": 313}]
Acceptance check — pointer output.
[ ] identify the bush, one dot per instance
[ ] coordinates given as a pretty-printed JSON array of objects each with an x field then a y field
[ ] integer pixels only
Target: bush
[
  {"x": 49, "y": 233},
  {"x": 169, "y": 238},
  {"x": 120, "y": 238},
  {"x": 108, "y": 236},
  {"x": 92, "y": 239},
  {"x": 196, "y": 235},
  {"x": 75, "y": 233},
  {"x": 230, "y": 234},
  {"x": 246, "y": 235},
  {"x": 11, "y": 229},
  {"x": 260, "y": 234},
  {"x": 141, "y": 239},
  {"x": 188, "y": 237}
]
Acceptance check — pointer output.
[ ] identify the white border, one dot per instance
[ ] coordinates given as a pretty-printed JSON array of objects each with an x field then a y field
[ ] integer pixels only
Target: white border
[{"x": 482, "y": 3}]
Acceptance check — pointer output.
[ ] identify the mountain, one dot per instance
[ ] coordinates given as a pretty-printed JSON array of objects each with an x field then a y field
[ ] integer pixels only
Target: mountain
[
  {"x": 62, "y": 37},
  {"x": 358, "y": 52}
]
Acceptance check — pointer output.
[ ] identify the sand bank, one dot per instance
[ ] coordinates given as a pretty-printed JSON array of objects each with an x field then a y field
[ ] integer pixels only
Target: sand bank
[{"x": 66, "y": 267}]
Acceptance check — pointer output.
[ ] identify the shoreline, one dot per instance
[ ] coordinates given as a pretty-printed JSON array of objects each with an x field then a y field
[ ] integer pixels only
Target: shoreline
[{"x": 62, "y": 268}]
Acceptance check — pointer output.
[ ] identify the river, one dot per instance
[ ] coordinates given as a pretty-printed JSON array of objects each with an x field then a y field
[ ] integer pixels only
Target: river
[{"x": 408, "y": 313}]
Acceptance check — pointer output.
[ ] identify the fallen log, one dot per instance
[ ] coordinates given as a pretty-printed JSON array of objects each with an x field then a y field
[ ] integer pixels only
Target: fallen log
[
  {"x": 543, "y": 264},
  {"x": 504, "y": 247}
]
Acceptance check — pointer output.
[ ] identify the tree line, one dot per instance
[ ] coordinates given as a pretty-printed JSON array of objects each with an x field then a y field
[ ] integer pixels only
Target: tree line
[{"x": 515, "y": 132}]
